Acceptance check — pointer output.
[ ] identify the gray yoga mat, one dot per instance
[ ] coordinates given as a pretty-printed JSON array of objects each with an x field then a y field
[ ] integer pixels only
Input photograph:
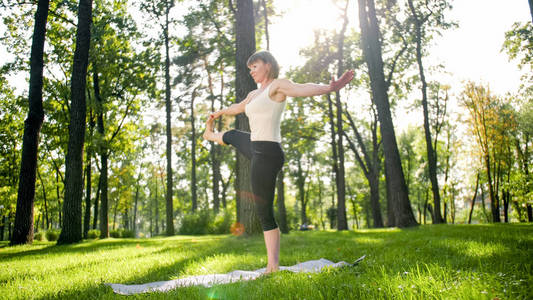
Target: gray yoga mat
[{"x": 311, "y": 266}]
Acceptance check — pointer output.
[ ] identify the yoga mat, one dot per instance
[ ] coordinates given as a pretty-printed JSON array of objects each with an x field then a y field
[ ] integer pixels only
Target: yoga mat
[{"x": 311, "y": 266}]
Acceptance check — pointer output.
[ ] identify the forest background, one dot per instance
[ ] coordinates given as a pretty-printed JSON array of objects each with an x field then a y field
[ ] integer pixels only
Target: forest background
[{"x": 155, "y": 69}]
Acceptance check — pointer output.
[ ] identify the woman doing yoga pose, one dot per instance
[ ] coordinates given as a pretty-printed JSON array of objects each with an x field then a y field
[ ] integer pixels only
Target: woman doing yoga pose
[{"x": 264, "y": 107}]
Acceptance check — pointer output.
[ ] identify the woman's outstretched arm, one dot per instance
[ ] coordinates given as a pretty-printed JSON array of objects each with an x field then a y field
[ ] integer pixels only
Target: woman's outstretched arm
[{"x": 292, "y": 89}]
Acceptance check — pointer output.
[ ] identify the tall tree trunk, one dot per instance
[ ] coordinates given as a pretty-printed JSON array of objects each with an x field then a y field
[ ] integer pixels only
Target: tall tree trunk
[
  {"x": 87, "y": 217},
  {"x": 265, "y": 15},
  {"x": 473, "y": 200},
  {"x": 370, "y": 164},
  {"x": 531, "y": 9},
  {"x": 372, "y": 52},
  {"x": 44, "y": 200},
  {"x": 96, "y": 201},
  {"x": 391, "y": 216},
  {"x": 492, "y": 194},
  {"x": 88, "y": 187},
  {"x": 104, "y": 205},
  {"x": 214, "y": 148},
  {"x": 431, "y": 153},
  {"x": 23, "y": 231},
  {"x": 300, "y": 184},
  {"x": 126, "y": 219},
  {"x": 334, "y": 148},
  {"x": 3, "y": 227},
  {"x": 169, "y": 189},
  {"x": 280, "y": 202},
  {"x": 193, "y": 157},
  {"x": 134, "y": 221},
  {"x": 245, "y": 47},
  {"x": 71, "y": 231},
  {"x": 58, "y": 195},
  {"x": 342, "y": 222},
  {"x": 525, "y": 166},
  {"x": 156, "y": 208}
]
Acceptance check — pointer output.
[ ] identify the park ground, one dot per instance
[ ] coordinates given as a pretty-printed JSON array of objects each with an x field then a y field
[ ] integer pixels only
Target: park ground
[{"x": 426, "y": 262}]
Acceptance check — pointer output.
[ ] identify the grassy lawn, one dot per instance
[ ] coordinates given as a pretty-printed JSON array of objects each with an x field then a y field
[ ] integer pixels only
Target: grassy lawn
[{"x": 442, "y": 261}]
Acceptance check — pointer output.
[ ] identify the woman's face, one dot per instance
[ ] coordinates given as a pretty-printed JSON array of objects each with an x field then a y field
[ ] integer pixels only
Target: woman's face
[{"x": 259, "y": 70}]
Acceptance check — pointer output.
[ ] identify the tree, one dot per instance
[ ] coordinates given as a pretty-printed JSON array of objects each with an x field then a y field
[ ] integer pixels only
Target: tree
[
  {"x": 11, "y": 131},
  {"x": 23, "y": 230},
  {"x": 245, "y": 47},
  {"x": 491, "y": 123},
  {"x": 160, "y": 11},
  {"x": 342, "y": 223},
  {"x": 370, "y": 41},
  {"x": 71, "y": 230},
  {"x": 122, "y": 78},
  {"x": 421, "y": 21},
  {"x": 369, "y": 161}
]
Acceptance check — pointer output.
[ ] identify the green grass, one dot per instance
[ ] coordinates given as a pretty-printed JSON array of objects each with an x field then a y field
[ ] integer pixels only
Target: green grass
[{"x": 439, "y": 261}]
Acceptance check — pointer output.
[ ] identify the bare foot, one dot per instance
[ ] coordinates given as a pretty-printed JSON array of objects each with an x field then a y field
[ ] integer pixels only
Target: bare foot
[
  {"x": 270, "y": 269},
  {"x": 208, "y": 133}
]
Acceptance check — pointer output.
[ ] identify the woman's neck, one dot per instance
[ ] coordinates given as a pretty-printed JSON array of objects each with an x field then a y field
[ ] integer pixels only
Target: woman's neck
[{"x": 265, "y": 83}]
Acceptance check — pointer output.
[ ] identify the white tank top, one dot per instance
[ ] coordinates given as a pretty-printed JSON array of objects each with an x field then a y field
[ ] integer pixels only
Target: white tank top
[{"x": 264, "y": 115}]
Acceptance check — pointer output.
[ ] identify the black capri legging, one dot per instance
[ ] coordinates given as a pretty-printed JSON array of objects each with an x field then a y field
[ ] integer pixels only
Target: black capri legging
[{"x": 266, "y": 161}]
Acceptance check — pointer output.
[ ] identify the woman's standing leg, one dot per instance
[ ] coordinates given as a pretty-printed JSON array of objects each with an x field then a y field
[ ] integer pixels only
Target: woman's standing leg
[
  {"x": 272, "y": 238},
  {"x": 264, "y": 170}
]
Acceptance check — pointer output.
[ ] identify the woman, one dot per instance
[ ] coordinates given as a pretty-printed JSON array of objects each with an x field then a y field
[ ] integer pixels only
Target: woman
[{"x": 264, "y": 107}]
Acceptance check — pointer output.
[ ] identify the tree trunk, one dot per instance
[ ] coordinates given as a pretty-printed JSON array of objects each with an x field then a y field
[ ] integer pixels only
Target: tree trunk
[
  {"x": 193, "y": 157},
  {"x": 44, "y": 200},
  {"x": 473, "y": 200},
  {"x": 391, "y": 216},
  {"x": 169, "y": 189},
  {"x": 372, "y": 52},
  {"x": 265, "y": 15},
  {"x": 115, "y": 214},
  {"x": 134, "y": 221},
  {"x": 96, "y": 201},
  {"x": 418, "y": 206},
  {"x": 334, "y": 148},
  {"x": 71, "y": 231},
  {"x": 426, "y": 206},
  {"x": 280, "y": 202},
  {"x": 531, "y": 12},
  {"x": 492, "y": 194},
  {"x": 156, "y": 208},
  {"x": 300, "y": 184},
  {"x": 431, "y": 153},
  {"x": 371, "y": 169},
  {"x": 88, "y": 187},
  {"x": 23, "y": 231},
  {"x": 104, "y": 206},
  {"x": 87, "y": 217},
  {"x": 245, "y": 47},
  {"x": 214, "y": 148},
  {"x": 3, "y": 227},
  {"x": 342, "y": 222},
  {"x": 506, "y": 196}
]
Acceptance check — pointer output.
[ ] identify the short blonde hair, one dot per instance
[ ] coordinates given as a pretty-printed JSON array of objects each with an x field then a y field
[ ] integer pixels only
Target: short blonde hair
[{"x": 267, "y": 58}]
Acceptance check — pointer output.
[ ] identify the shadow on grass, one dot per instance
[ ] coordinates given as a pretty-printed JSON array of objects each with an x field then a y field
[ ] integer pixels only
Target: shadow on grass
[{"x": 202, "y": 248}]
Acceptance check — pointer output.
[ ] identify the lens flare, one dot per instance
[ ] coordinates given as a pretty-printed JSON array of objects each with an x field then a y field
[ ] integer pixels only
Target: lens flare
[{"x": 237, "y": 229}]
